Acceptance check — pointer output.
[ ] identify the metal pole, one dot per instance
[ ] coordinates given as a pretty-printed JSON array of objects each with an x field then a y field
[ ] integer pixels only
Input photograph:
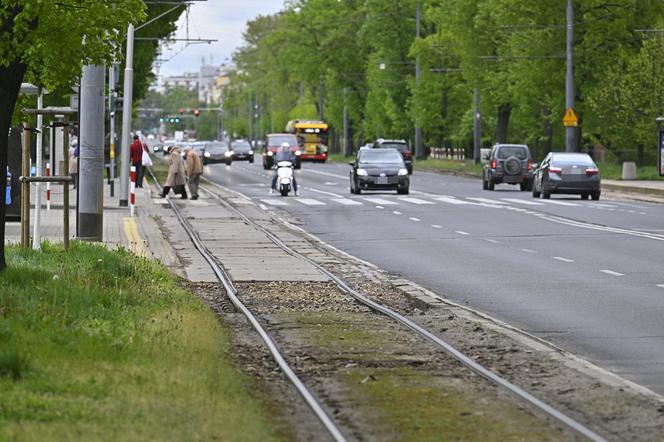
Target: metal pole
[
  {"x": 419, "y": 150},
  {"x": 25, "y": 188},
  {"x": 250, "y": 122},
  {"x": 111, "y": 136},
  {"x": 347, "y": 149},
  {"x": 126, "y": 117},
  {"x": 570, "y": 131},
  {"x": 91, "y": 154},
  {"x": 321, "y": 100},
  {"x": 65, "y": 185},
  {"x": 477, "y": 126},
  {"x": 36, "y": 241}
]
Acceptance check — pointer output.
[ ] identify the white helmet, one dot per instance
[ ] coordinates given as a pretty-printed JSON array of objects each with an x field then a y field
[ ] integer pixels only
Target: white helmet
[{"x": 285, "y": 146}]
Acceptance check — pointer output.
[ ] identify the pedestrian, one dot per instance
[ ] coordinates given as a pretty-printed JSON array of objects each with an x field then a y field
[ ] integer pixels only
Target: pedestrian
[
  {"x": 136, "y": 154},
  {"x": 176, "y": 174},
  {"x": 194, "y": 171},
  {"x": 73, "y": 163}
]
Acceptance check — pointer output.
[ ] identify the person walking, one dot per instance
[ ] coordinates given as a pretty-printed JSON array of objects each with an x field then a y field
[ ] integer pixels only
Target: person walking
[
  {"x": 73, "y": 163},
  {"x": 136, "y": 154},
  {"x": 176, "y": 174},
  {"x": 194, "y": 171}
]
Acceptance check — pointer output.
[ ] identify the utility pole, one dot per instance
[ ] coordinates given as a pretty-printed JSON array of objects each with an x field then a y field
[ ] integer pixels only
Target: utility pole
[
  {"x": 112, "y": 84},
  {"x": 477, "y": 126},
  {"x": 250, "y": 122},
  {"x": 419, "y": 151},
  {"x": 571, "y": 144},
  {"x": 90, "y": 220},
  {"x": 321, "y": 100},
  {"x": 36, "y": 237},
  {"x": 128, "y": 92},
  {"x": 347, "y": 148}
]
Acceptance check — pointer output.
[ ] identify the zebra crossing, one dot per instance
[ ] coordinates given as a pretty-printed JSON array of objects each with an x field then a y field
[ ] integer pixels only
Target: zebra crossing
[{"x": 516, "y": 204}]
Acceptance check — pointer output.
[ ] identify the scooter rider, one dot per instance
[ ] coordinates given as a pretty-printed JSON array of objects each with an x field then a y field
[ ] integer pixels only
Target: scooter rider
[{"x": 284, "y": 154}]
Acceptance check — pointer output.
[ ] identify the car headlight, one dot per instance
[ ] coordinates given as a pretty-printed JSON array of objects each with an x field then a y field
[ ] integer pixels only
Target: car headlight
[
  {"x": 251, "y": 152},
  {"x": 228, "y": 153},
  {"x": 269, "y": 154},
  {"x": 298, "y": 153},
  {"x": 206, "y": 154},
  {"x": 403, "y": 172},
  {"x": 362, "y": 172}
]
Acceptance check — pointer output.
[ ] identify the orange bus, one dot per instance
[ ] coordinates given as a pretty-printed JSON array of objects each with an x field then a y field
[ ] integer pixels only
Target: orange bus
[{"x": 311, "y": 137}]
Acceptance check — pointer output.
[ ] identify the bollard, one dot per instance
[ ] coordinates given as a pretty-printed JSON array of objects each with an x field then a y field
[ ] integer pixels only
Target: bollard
[
  {"x": 132, "y": 199},
  {"x": 48, "y": 187}
]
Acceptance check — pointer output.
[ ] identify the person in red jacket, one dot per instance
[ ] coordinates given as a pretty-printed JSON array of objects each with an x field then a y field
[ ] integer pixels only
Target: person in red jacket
[{"x": 136, "y": 154}]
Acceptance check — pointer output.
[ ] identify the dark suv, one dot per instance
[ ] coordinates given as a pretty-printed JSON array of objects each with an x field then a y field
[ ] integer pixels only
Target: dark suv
[
  {"x": 399, "y": 145},
  {"x": 509, "y": 164}
]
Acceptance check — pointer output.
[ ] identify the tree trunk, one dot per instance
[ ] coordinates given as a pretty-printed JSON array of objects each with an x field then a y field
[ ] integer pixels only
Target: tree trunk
[
  {"x": 504, "y": 111},
  {"x": 11, "y": 77}
]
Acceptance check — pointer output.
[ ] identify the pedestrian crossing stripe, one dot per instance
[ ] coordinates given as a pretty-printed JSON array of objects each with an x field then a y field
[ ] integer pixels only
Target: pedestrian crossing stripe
[
  {"x": 417, "y": 201},
  {"x": 486, "y": 200},
  {"x": 275, "y": 202},
  {"x": 560, "y": 203},
  {"x": 380, "y": 201},
  {"x": 526, "y": 202},
  {"x": 346, "y": 202},
  {"x": 451, "y": 200},
  {"x": 309, "y": 202}
]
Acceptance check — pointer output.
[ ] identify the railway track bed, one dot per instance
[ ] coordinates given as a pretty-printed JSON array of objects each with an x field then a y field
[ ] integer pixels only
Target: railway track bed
[{"x": 377, "y": 380}]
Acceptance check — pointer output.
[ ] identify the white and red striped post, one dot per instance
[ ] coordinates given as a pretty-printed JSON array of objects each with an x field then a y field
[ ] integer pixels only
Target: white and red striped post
[
  {"x": 48, "y": 187},
  {"x": 132, "y": 199}
]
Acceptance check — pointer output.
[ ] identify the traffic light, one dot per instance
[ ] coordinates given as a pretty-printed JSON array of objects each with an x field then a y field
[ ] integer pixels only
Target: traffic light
[{"x": 196, "y": 113}]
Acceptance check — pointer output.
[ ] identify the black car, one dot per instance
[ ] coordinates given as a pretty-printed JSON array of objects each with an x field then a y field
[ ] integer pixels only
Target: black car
[
  {"x": 399, "y": 145},
  {"x": 509, "y": 164},
  {"x": 217, "y": 152},
  {"x": 379, "y": 169},
  {"x": 567, "y": 172},
  {"x": 241, "y": 151}
]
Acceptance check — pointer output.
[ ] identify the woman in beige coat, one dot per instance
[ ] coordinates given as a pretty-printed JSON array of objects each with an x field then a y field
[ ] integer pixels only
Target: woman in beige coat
[{"x": 176, "y": 177}]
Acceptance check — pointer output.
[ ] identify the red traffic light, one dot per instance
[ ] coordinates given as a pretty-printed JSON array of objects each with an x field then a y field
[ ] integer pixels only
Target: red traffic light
[
  {"x": 181, "y": 110},
  {"x": 197, "y": 113}
]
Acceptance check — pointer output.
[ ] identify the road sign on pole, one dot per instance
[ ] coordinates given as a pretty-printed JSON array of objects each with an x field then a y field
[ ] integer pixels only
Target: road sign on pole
[{"x": 570, "y": 119}]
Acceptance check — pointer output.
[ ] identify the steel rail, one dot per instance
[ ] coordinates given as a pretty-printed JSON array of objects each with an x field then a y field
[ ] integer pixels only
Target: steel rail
[
  {"x": 457, "y": 354},
  {"x": 232, "y": 292}
]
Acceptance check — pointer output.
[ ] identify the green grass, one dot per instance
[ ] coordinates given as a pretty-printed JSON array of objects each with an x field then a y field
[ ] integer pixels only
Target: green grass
[
  {"x": 614, "y": 172},
  {"x": 461, "y": 167},
  {"x": 102, "y": 345}
]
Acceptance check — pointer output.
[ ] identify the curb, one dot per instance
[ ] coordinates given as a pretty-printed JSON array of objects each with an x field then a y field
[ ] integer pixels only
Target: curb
[{"x": 633, "y": 189}]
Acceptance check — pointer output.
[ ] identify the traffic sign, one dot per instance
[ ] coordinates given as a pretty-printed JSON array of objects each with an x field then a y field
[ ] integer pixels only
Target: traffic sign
[{"x": 570, "y": 119}]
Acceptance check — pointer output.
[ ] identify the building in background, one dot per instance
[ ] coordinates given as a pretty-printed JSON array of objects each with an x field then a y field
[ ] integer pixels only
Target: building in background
[{"x": 209, "y": 82}]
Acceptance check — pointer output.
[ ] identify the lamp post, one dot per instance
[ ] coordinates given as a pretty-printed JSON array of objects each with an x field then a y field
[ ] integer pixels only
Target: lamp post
[
  {"x": 571, "y": 144},
  {"x": 419, "y": 151}
]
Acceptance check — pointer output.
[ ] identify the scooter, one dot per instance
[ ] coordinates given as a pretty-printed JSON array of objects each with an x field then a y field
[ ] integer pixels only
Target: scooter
[{"x": 284, "y": 177}]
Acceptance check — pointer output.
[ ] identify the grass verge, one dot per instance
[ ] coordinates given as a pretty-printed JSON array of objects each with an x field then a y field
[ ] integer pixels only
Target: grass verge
[{"x": 102, "y": 345}]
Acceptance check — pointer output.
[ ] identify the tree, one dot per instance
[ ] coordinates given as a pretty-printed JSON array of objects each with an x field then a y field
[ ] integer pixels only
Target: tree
[{"x": 49, "y": 42}]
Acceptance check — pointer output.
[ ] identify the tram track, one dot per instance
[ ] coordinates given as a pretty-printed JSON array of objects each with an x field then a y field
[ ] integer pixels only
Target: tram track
[{"x": 346, "y": 288}]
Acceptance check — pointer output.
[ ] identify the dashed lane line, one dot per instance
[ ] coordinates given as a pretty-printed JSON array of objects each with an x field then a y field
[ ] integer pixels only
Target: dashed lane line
[
  {"x": 492, "y": 241},
  {"x": 436, "y": 226},
  {"x": 529, "y": 251},
  {"x": 417, "y": 220},
  {"x": 396, "y": 212},
  {"x": 661, "y": 286},
  {"x": 561, "y": 259},
  {"x": 461, "y": 232},
  {"x": 612, "y": 273}
]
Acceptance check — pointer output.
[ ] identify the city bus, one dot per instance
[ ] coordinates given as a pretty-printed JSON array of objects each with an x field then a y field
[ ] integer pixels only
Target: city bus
[{"x": 311, "y": 137}]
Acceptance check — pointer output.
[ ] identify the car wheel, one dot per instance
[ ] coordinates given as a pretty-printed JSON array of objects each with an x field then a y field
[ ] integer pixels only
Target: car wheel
[
  {"x": 584, "y": 196},
  {"x": 409, "y": 169},
  {"x": 205, "y": 162},
  {"x": 251, "y": 160},
  {"x": 546, "y": 195},
  {"x": 298, "y": 164},
  {"x": 523, "y": 187},
  {"x": 595, "y": 196},
  {"x": 536, "y": 193},
  {"x": 403, "y": 191},
  {"x": 485, "y": 185},
  {"x": 358, "y": 191},
  {"x": 491, "y": 185}
]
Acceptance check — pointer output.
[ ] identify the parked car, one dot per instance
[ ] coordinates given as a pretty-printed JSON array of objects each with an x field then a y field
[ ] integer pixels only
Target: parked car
[
  {"x": 509, "y": 164},
  {"x": 399, "y": 145},
  {"x": 379, "y": 169},
  {"x": 273, "y": 143},
  {"x": 241, "y": 151},
  {"x": 568, "y": 173},
  {"x": 217, "y": 152}
]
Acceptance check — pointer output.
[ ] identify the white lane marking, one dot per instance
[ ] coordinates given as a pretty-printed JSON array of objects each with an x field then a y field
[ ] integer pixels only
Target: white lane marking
[
  {"x": 461, "y": 232},
  {"x": 417, "y": 201},
  {"x": 451, "y": 200},
  {"x": 436, "y": 226},
  {"x": 330, "y": 183},
  {"x": 642, "y": 213},
  {"x": 661, "y": 286},
  {"x": 529, "y": 250},
  {"x": 262, "y": 206},
  {"x": 380, "y": 201},
  {"x": 604, "y": 206},
  {"x": 486, "y": 200},
  {"x": 492, "y": 241},
  {"x": 526, "y": 202},
  {"x": 396, "y": 212},
  {"x": 275, "y": 202},
  {"x": 560, "y": 258},
  {"x": 612, "y": 273},
  {"x": 324, "y": 192},
  {"x": 309, "y": 202},
  {"x": 560, "y": 203},
  {"x": 631, "y": 211},
  {"x": 585, "y": 225},
  {"x": 380, "y": 207},
  {"x": 346, "y": 202},
  {"x": 417, "y": 220}
]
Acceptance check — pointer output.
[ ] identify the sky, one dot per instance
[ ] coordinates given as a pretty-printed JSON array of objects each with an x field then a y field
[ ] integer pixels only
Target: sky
[{"x": 223, "y": 20}]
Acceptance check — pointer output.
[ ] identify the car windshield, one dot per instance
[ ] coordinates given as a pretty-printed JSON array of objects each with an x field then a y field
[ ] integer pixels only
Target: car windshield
[
  {"x": 216, "y": 147},
  {"x": 241, "y": 146},
  {"x": 278, "y": 140},
  {"x": 572, "y": 159},
  {"x": 382, "y": 156},
  {"x": 505, "y": 152},
  {"x": 401, "y": 147}
]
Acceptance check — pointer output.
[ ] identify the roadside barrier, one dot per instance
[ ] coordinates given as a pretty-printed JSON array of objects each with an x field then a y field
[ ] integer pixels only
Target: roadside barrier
[
  {"x": 132, "y": 198},
  {"x": 447, "y": 153}
]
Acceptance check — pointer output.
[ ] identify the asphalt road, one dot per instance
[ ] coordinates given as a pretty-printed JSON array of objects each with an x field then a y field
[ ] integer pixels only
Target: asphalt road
[{"x": 585, "y": 275}]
